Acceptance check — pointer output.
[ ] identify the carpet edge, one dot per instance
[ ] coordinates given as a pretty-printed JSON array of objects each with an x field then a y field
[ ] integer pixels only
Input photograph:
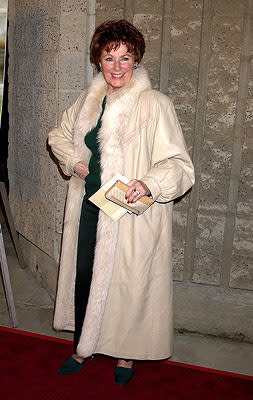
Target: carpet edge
[
  {"x": 176, "y": 363},
  {"x": 38, "y": 335},
  {"x": 206, "y": 369}
]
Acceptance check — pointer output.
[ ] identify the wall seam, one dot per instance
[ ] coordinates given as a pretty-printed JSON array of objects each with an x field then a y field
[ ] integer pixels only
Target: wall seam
[
  {"x": 57, "y": 91},
  {"x": 165, "y": 46},
  {"x": 90, "y": 27},
  {"x": 129, "y": 10},
  {"x": 199, "y": 126}
]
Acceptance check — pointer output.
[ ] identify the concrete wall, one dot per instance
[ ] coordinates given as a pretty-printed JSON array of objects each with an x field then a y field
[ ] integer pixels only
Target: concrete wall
[
  {"x": 200, "y": 54},
  {"x": 47, "y": 69}
]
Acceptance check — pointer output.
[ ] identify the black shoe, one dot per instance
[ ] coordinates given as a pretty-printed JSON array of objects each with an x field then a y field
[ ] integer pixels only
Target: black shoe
[
  {"x": 123, "y": 375},
  {"x": 71, "y": 366}
]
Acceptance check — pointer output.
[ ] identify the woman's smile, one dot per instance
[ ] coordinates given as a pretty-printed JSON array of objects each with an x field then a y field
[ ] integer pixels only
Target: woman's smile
[{"x": 117, "y": 76}]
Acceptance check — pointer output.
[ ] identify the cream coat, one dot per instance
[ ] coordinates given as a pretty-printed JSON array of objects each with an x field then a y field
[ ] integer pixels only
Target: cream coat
[{"x": 129, "y": 312}]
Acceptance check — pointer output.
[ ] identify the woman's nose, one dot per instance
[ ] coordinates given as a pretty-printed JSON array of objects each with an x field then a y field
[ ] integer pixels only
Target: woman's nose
[{"x": 117, "y": 65}]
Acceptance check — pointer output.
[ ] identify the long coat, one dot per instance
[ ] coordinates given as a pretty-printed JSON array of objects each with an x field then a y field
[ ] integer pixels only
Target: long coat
[{"x": 129, "y": 312}]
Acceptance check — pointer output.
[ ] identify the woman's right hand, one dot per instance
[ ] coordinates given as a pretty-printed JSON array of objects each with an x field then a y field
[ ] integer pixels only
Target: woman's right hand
[{"x": 81, "y": 169}]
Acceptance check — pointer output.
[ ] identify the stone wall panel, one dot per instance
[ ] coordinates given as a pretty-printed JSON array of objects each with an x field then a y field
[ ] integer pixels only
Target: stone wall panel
[
  {"x": 241, "y": 275},
  {"x": 207, "y": 265},
  {"x": 45, "y": 175},
  {"x": 178, "y": 243},
  {"x": 106, "y": 10},
  {"x": 72, "y": 6},
  {"x": 32, "y": 33},
  {"x": 35, "y": 214},
  {"x": 188, "y": 8},
  {"x": 216, "y": 166},
  {"x": 44, "y": 117},
  {"x": 222, "y": 98},
  {"x": 208, "y": 255},
  {"x": 185, "y": 37},
  {"x": 185, "y": 48},
  {"x": 151, "y": 27},
  {"x": 221, "y": 108},
  {"x": 245, "y": 192},
  {"x": 40, "y": 72},
  {"x": 71, "y": 77},
  {"x": 72, "y": 32},
  {"x": 65, "y": 100},
  {"x": 227, "y": 37},
  {"x": 229, "y": 8},
  {"x": 147, "y": 7},
  {"x": 43, "y": 8},
  {"x": 60, "y": 204},
  {"x": 182, "y": 91}
]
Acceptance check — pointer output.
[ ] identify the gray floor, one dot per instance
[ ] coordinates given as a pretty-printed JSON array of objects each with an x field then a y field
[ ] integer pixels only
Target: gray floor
[{"x": 34, "y": 310}]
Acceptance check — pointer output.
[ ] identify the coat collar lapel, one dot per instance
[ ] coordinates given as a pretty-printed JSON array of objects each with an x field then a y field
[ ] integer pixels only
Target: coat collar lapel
[{"x": 118, "y": 109}]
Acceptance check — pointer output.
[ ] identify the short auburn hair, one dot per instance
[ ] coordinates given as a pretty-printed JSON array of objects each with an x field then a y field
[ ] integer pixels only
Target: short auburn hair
[{"x": 111, "y": 34}]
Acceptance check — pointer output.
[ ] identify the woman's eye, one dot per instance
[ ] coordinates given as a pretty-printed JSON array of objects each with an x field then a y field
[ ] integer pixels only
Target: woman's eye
[
  {"x": 108, "y": 59},
  {"x": 125, "y": 59}
]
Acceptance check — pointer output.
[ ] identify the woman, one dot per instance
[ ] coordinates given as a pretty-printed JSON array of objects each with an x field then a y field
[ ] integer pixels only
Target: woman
[{"x": 118, "y": 298}]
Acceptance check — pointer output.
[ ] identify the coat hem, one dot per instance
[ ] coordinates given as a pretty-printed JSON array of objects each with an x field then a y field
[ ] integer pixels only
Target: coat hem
[
  {"x": 68, "y": 328},
  {"x": 135, "y": 356}
]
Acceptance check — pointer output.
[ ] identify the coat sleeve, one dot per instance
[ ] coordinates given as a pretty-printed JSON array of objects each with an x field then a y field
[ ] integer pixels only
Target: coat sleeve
[
  {"x": 171, "y": 173},
  {"x": 61, "y": 140}
]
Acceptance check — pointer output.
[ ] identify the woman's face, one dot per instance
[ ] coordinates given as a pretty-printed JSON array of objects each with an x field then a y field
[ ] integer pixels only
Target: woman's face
[{"x": 117, "y": 67}]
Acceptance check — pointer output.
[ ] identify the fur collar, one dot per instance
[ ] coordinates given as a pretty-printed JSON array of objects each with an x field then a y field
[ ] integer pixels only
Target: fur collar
[{"x": 118, "y": 106}]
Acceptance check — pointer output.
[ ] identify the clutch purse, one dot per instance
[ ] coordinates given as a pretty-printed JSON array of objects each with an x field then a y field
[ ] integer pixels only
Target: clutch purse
[{"x": 116, "y": 193}]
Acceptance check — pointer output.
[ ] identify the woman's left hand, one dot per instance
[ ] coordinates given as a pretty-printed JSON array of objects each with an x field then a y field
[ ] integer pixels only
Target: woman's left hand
[{"x": 136, "y": 191}]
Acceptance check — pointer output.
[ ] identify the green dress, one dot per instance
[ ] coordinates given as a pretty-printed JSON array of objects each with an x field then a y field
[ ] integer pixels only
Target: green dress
[
  {"x": 92, "y": 181},
  {"x": 87, "y": 230}
]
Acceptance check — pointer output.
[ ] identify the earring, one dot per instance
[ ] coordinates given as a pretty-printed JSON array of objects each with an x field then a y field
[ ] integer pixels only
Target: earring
[{"x": 135, "y": 66}]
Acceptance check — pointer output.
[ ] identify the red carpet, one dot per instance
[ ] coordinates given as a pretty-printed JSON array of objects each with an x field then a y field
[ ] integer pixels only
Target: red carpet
[{"x": 29, "y": 364}]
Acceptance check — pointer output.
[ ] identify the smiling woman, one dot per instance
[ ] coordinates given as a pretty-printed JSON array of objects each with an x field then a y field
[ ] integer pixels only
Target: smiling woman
[
  {"x": 115, "y": 281},
  {"x": 117, "y": 52},
  {"x": 117, "y": 67}
]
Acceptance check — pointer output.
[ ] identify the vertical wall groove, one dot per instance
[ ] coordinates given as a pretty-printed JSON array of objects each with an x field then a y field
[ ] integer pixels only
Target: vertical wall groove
[
  {"x": 237, "y": 143},
  {"x": 165, "y": 46},
  {"x": 129, "y": 10},
  {"x": 206, "y": 35},
  {"x": 90, "y": 26}
]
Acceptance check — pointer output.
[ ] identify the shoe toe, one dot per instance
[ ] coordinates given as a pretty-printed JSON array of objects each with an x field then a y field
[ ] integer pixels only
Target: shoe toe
[
  {"x": 123, "y": 375},
  {"x": 70, "y": 366}
]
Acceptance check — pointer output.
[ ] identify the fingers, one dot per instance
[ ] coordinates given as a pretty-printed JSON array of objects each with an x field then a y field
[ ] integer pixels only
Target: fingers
[
  {"x": 136, "y": 190},
  {"x": 81, "y": 169},
  {"x": 81, "y": 173}
]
